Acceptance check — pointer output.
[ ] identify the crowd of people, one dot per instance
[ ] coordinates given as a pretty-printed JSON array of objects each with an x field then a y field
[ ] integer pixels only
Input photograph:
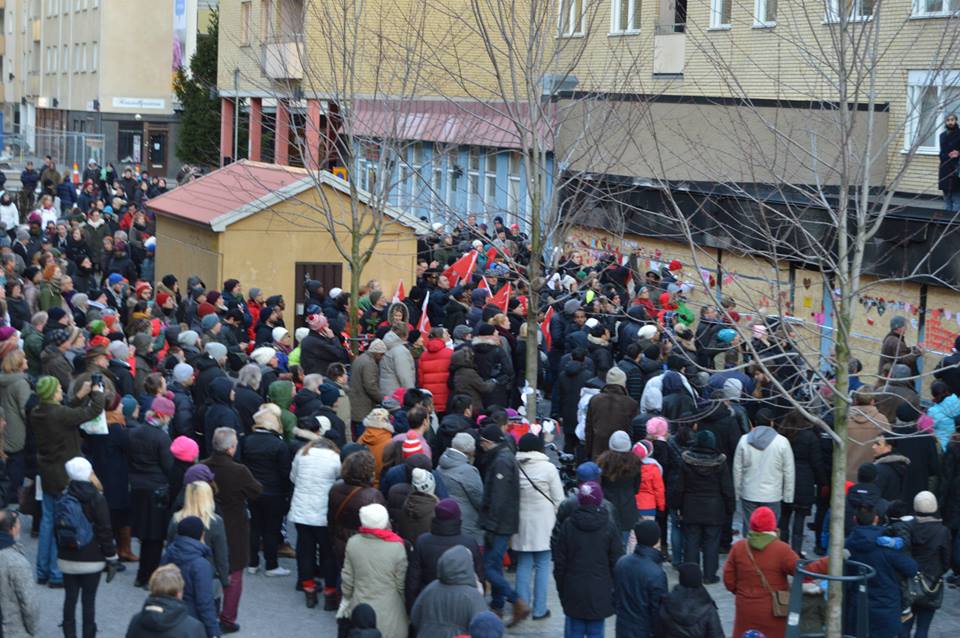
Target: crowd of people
[{"x": 407, "y": 479}]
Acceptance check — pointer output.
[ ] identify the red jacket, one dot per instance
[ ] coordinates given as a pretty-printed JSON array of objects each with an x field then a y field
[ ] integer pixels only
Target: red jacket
[
  {"x": 254, "y": 308},
  {"x": 434, "y": 372},
  {"x": 651, "y": 495}
]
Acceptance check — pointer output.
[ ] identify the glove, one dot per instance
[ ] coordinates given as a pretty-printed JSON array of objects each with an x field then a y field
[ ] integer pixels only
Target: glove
[
  {"x": 891, "y": 542},
  {"x": 113, "y": 566}
]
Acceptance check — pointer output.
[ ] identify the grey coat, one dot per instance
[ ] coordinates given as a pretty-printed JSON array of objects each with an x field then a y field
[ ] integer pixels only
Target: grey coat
[
  {"x": 14, "y": 393},
  {"x": 365, "y": 391},
  {"x": 19, "y": 601},
  {"x": 465, "y": 486},
  {"x": 216, "y": 539},
  {"x": 397, "y": 368},
  {"x": 444, "y": 608}
]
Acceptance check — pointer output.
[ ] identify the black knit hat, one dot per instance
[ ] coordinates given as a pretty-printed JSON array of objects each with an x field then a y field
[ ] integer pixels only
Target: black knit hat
[
  {"x": 690, "y": 575},
  {"x": 647, "y": 533},
  {"x": 190, "y": 526}
]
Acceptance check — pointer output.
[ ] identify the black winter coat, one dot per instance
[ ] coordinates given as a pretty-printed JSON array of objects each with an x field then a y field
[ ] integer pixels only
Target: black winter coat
[
  {"x": 207, "y": 370},
  {"x": 183, "y": 422},
  {"x": 492, "y": 362},
  {"x": 422, "y": 563},
  {"x": 150, "y": 460},
  {"x": 246, "y": 401},
  {"x": 98, "y": 513},
  {"x": 268, "y": 458},
  {"x": 689, "y": 612},
  {"x": 318, "y": 352},
  {"x": 704, "y": 488},
  {"x": 585, "y": 553},
  {"x": 948, "y": 371},
  {"x": 950, "y": 486},
  {"x": 641, "y": 586},
  {"x": 455, "y": 314},
  {"x": 622, "y": 495},
  {"x": 220, "y": 413},
  {"x": 636, "y": 380},
  {"x": 924, "y": 460},
  {"x": 891, "y": 475},
  {"x": 574, "y": 376},
  {"x": 809, "y": 468},
  {"x": 164, "y": 617},
  {"x": 949, "y": 141},
  {"x": 307, "y": 403},
  {"x": 500, "y": 509},
  {"x": 723, "y": 423},
  {"x": 931, "y": 544}
]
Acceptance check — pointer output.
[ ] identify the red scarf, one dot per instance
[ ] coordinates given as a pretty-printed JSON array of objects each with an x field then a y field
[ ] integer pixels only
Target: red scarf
[{"x": 382, "y": 534}]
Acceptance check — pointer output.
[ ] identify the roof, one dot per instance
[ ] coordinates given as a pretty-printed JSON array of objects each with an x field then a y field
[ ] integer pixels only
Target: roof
[{"x": 244, "y": 188}]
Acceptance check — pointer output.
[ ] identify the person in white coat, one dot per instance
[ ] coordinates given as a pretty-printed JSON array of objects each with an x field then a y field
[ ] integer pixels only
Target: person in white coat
[
  {"x": 763, "y": 471},
  {"x": 397, "y": 368},
  {"x": 315, "y": 469},
  {"x": 541, "y": 493},
  {"x": 9, "y": 215}
]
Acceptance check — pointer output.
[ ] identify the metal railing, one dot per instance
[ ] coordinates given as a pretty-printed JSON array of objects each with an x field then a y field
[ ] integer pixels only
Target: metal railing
[{"x": 65, "y": 147}]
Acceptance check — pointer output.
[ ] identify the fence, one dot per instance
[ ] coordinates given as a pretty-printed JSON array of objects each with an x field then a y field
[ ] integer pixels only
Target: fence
[{"x": 65, "y": 147}]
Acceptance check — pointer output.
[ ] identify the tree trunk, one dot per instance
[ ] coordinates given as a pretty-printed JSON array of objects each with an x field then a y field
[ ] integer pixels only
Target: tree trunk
[
  {"x": 532, "y": 363},
  {"x": 355, "y": 274}
]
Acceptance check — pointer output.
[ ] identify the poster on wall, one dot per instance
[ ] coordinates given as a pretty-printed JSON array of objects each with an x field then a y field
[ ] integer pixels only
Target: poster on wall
[{"x": 179, "y": 34}]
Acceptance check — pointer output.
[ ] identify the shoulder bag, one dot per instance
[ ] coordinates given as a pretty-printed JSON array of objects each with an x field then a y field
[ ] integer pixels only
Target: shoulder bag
[
  {"x": 922, "y": 595},
  {"x": 780, "y": 599},
  {"x": 534, "y": 485}
]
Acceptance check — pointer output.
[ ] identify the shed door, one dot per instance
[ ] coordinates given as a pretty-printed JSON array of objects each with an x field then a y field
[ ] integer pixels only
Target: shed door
[{"x": 330, "y": 274}]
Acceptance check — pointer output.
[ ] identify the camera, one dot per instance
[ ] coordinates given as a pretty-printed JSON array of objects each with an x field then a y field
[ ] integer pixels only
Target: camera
[{"x": 96, "y": 379}]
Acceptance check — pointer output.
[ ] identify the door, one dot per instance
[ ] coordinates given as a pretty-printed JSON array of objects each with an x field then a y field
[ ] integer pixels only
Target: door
[
  {"x": 330, "y": 274},
  {"x": 157, "y": 152}
]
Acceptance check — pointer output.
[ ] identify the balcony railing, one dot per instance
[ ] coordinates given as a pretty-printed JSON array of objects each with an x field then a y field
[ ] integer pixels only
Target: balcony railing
[
  {"x": 283, "y": 57},
  {"x": 669, "y": 53}
]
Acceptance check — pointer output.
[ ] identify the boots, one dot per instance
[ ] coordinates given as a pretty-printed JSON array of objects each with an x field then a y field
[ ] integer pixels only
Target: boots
[
  {"x": 123, "y": 546},
  {"x": 520, "y": 612},
  {"x": 90, "y": 631},
  {"x": 311, "y": 595},
  {"x": 331, "y": 599}
]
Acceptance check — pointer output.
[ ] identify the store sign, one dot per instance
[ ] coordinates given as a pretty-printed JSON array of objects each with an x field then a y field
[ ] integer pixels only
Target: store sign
[{"x": 139, "y": 103}]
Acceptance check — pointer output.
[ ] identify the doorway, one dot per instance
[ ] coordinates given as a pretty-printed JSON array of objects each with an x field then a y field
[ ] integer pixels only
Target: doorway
[
  {"x": 330, "y": 274},
  {"x": 157, "y": 152}
]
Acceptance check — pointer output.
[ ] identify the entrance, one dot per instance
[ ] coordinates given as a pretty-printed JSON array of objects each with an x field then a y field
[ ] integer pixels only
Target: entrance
[
  {"x": 157, "y": 152},
  {"x": 330, "y": 274}
]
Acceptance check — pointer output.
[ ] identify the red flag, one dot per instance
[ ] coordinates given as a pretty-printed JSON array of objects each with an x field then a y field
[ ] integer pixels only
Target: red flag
[
  {"x": 399, "y": 295},
  {"x": 483, "y": 284},
  {"x": 502, "y": 298},
  {"x": 523, "y": 305},
  {"x": 424, "y": 324},
  {"x": 491, "y": 255},
  {"x": 462, "y": 269},
  {"x": 545, "y": 328}
]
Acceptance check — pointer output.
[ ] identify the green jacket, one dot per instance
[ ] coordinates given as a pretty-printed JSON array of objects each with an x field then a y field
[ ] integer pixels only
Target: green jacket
[
  {"x": 49, "y": 296},
  {"x": 57, "y": 431},
  {"x": 281, "y": 394},
  {"x": 32, "y": 347}
]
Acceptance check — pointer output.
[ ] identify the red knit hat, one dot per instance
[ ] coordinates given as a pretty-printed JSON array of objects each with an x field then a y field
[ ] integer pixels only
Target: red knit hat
[
  {"x": 412, "y": 445},
  {"x": 763, "y": 520},
  {"x": 675, "y": 265},
  {"x": 162, "y": 298},
  {"x": 205, "y": 309}
]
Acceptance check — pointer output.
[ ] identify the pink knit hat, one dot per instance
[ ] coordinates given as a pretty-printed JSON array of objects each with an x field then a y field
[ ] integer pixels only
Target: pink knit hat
[
  {"x": 643, "y": 449},
  {"x": 185, "y": 449},
  {"x": 657, "y": 427},
  {"x": 317, "y": 322},
  {"x": 162, "y": 406}
]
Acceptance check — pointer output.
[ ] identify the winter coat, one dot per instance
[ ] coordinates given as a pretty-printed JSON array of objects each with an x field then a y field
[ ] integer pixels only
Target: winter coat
[
  {"x": 268, "y": 459},
  {"x": 499, "y": 513},
  {"x": 949, "y": 497},
  {"x": 607, "y": 412},
  {"x": 754, "y": 607},
  {"x": 809, "y": 468},
  {"x": 465, "y": 379},
  {"x": 444, "y": 609},
  {"x": 236, "y": 487},
  {"x": 317, "y": 352},
  {"x": 864, "y": 425},
  {"x": 149, "y": 460},
  {"x": 943, "y": 415},
  {"x": 622, "y": 494},
  {"x": 108, "y": 454},
  {"x": 948, "y": 180},
  {"x": 894, "y": 394},
  {"x": 165, "y": 617},
  {"x": 703, "y": 489},
  {"x": 883, "y": 592},
  {"x": 573, "y": 377},
  {"x": 948, "y": 371},
  {"x": 193, "y": 559},
  {"x": 91, "y": 558},
  {"x": 924, "y": 457},
  {"x": 182, "y": 423},
  {"x": 376, "y": 438},
  {"x": 429, "y": 547},
  {"x": 19, "y": 600},
  {"x": 892, "y": 471},
  {"x": 374, "y": 572},
  {"x": 247, "y": 401},
  {"x": 54, "y": 363},
  {"x": 930, "y": 547},
  {"x": 688, "y": 613},
  {"x": 585, "y": 553},
  {"x": 208, "y": 371},
  {"x": 433, "y": 372},
  {"x": 894, "y": 350},
  {"x": 56, "y": 429},
  {"x": 763, "y": 468},
  {"x": 215, "y": 538},
  {"x": 722, "y": 421},
  {"x": 455, "y": 314},
  {"x": 415, "y": 515},
  {"x": 541, "y": 493},
  {"x": 397, "y": 369},
  {"x": 343, "y": 511},
  {"x": 651, "y": 494},
  {"x": 465, "y": 486},
  {"x": 14, "y": 394},
  {"x": 492, "y": 362},
  {"x": 312, "y": 475},
  {"x": 220, "y": 412},
  {"x": 365, "y": 391},
  {"x": 641, "y": 586}
]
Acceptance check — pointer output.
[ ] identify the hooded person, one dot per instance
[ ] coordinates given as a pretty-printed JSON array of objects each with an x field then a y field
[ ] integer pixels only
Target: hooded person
[
  {"x": 416, "y": 513},
  {"x": 763, "y": 469},
  {"x": 164, "y": 614},
  {"x": 688, "y": 611},
  {"x": 446, "y": 606},
  {"x": 220, "y": 412},
  {"x": 445, "y": 532},
  {"x": 463, "y": 482},
  {"x": 280, "y": 393},
  {"x": 321, "y": 346},
  {"x": 192, "y": 557},
  {"x": 363, "y": 623},
  {"x": 377, "y": 433},
  {"x": 397, "y": 368}
]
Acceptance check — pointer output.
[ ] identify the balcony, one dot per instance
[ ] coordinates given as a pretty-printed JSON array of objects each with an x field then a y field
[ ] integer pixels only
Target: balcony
[
  {"x": 35, "y": 29},
  {"x": 669, "y": 50},
  {"x": 283, "y": 57}
]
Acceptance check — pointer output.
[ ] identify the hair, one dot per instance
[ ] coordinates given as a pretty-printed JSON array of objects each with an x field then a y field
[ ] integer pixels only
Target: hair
[
  {"x": 938, "y": 389},
  {"x": 731, "y": 356},
  {"x": 401, "y": 330},
  {"x": 312, "y": 381},
  {"x": 898, "y": 509},
  {"x": 197, "y": 501},
  {"x": 854, "y": 366},
  {"x": 320, "y": 441},
  {"x": 250, "y": 376},
  {"x": 39, "y": 318},
  {"x": 224, "y": 439},
  {"x": 436, "y": 333},
  {"x": 865, "y": 514},
  {"x": 632, "y": 351},
  {"x": 359, "y": 468},
  {"x": 862, "y": 397},
  {"x": 618, "y": 465},
  {"x": 459, "y": 403},
  {"x": 166, "y": 581},
  {"x": 416, "y": 416},
  {"x": 153, "y": 382},
  {"x": 13, "y": 362},
  {"x": 8, "y": 518},
  {"x": 335, "y": 370},
  {"x": 412, "y": 397},
  {"x": 579, "y": 354}
]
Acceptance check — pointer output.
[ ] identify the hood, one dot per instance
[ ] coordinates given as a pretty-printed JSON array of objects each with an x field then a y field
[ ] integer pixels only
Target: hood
[
  {"x": 302, "y": 399},
  {"x": 865, "y": 414},
  {"x": 436, "y": 345},
  {"x": 452, "y": 458},
  {"x": 419, "y": 506},
  {"x": 184, "y": 549},
  {"x": 760, "y": 540},
  {"x": 573, "y": 368},
  {"x": 312, "y": 286},
  {"x": 204, "y": 362},
  {"x": 220, "y": 390},
  {"x": 449, "y": 527},
  {"x": 761, "y": 437},
  {"x": 590, "y": 520},
  {"x": 686, "y": 606},
  {"x": 485, "y": 343},
  {"x": 391, "y": 340},
  {"x": 704, "y": 462},
  {"x": 160, "y": 614},
  {"x": 281, "y": 393},
  {"x": 455, "y": 567},
  {"x": 462, "y": 358},
  {"x": 863, "y": 539},
  {"x": 672, "y": 383},
  {"x": 402, "y": 307},
  {"x": 898, "y": 461},
  {"x": 479, "y": 296},
  {"x": 8, "y": 379}
]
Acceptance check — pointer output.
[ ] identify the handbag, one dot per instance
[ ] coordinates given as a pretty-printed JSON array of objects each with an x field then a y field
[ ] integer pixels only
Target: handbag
[
  {"x": 923, "y": 595},
  {"x": 780, "y": 600}
]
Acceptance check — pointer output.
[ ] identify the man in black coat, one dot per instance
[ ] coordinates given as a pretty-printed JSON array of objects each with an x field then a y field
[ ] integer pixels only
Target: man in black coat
[
  {"x": 950, "y": 163},
  {"x": 920, "y": 449},
  {"x": 574, "y": 376},
  {"x": 891, "y": 468},
  {"x": 640, "y": 585},
  {"x": 444, "y": 533}
]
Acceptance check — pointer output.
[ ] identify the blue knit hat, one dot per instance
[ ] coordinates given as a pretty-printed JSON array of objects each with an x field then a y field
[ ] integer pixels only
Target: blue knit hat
[{"x": 486, "y": 625}]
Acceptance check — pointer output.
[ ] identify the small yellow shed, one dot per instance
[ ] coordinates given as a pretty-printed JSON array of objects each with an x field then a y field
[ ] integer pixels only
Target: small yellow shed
[{"x": 266, "y": 225}]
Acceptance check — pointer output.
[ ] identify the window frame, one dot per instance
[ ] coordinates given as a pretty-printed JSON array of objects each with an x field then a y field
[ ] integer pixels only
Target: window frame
[
  {"x": 246, "y": 20},
  {"x": 917, "y": 82},
  {"x": 833, "y": 12},
  {"x": 566, "y": 10},
  {"x": 633, "y": 17},
  {"x": 759, "y": 14},
  {"x": 716, "y": 15},
  {"x": 94, "y": 56},
  {"x": 918, "y": 11},
  {"x": 65, "y": 59},
  {"x": 490, "y": 186},
  {"x": 267, "y": 11}
]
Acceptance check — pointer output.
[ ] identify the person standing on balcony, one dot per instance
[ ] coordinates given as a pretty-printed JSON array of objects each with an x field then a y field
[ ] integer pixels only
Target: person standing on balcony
[{"x": 950, "y": 163}]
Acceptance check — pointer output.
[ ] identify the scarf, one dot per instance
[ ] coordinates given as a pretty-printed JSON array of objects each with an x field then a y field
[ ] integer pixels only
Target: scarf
[
  {"x": 6, "y": 540},
  {"x": 382, "y": 534}
]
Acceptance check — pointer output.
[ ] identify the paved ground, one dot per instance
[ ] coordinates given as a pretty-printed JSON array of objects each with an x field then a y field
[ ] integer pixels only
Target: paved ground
[{"x": 271, "y": 607}]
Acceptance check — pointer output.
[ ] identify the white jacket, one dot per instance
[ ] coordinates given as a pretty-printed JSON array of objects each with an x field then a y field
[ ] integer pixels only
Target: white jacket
[
  {"x": 10, "y": 216},
  {"x": 652, "y": 396},
  {"x": 312, "y": 474},
  {"x": 538, "y": 511},
  {"x": 763, "y": 467}
]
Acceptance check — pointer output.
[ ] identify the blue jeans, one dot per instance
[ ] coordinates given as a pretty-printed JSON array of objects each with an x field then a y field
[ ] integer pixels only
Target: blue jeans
[
  {"x": 47, "y": 545},
  {"x": 500, "y": 589},
  {"x": 577, "y": 628},
  {"x": 676, "y": 539},
  {"x": 539, "y": 561},
  {"x": 951, "y": 201},
  {"x": 923, "y": 618}
]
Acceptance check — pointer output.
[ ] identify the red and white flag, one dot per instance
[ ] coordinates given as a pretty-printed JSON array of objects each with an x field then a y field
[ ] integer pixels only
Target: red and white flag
[
  {"x": 502, "y": 298},
  {"x": 424, "y": 324},
  {"x": 483, "y": 284},
  {"x": 545, "y": 328},
  {"x": 462, "y": 269},
  {"x": 399, "y": 295}
]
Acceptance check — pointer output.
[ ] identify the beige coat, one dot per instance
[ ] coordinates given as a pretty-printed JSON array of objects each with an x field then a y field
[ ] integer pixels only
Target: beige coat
[
  {"x": 374, "y": 572},
  {"x": 538, "y": 511},
  {"x": 864, "y": 425}
]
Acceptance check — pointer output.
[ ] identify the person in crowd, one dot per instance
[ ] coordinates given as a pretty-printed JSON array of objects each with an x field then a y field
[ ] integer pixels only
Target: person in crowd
[
  {"x": 321, "y": 347},
  {"x": 433, "y": 368},
  {"x": 19, "y": 600},
  {"x": 688, "y": 611},
  {"x": 377, "y": 433},
  {"x": 864, "y": 425},
  {"x": 895, "y": 351},
  {"x": 944, "y": 411},
  {"x": 463, "y": 482},
  {"x": 609, "y": 411},
  {"x": 192, "y": 557},
  {"x": 15, "y": 396},
  {"x": 164, "y": 614},
  {"x": 891, "y": 468},
  {"x": 198, "y": 501},
  {"x": 445, "y": 532},
  {"x": 347, "y": 496},
  {"x": 810, "y": 472},
  {"x": 763, "y": 470},
  {"x": 640, "y": 584},
  {"x": 620, "y": 473},
  {"x": 919, "y": 447},
  {"x": 931, "y": 547},
  {"x": 446, "y": 606},
  {"x": 365, "y": 391}
]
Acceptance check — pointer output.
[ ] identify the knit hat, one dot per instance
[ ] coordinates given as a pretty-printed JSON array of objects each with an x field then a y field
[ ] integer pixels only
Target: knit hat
[
  {"x": 162, "y": 406},
  {"x": 530, "y": 442},
  {"x": 706, "y": 440},
  {"x": 732, "y": 389},
  {"x": 377, "y": 346},
  {"x": 422, "y": 481},
  {"x": 263, "y": 355},
  {"x": 184, "y": 449},
  {"x": 690, "y": 575},
  {"x": 447, "y": 509},
  {"x": 925, "y": 503},
  {"x": 279, "y": 333},
  {"x": 464, "y": 442},
  {"x": 204, "y": 309},
  {"x": 162, "y": 298},
  {"x": 763, "y": 520},
  {"x": 492, "y": 433},
  {"x": 616, "y": 376},
  {"x": 208, "y": 322},
  {"x": 317, "y": 321},
  {"x": 96, "y": 327},
  {"x": 118, "y": 350},
  {"x": 129, "y": 405},
  {"x": 374, "y": 516},
  {"x": 142, "y": 342},
  {"x": 643, "y": 449},
  {"x": 378, "y": 418},
  {"x": 486, "y": 624},
  {"x": 588, "y": 471},
  {"x": 57, "y": 337},
  {"x": 329, "y": 393},
  {"x": 188, "y": 338},
  {"x": 571, "y": 306},
  {"x": 897, "y": 322},
  {"x": 411, "y": 445},
  {"x": 647, "y": 533},
  {"x": 198, "y": 472},
  {"x": 657, "y": 427},
  {"x": 55, "y": 314},
  {"x": 114, "y": 278},
  {"x": 216, "y": 350},
  {"x": 619, "y": 441},
  {"x": 727, "y": 335},
  {"x": 867, "y": 473},
  {"x": 191, "y": 527},
  {"x": 590, "y": 494},
  {"x": 900, "y": 371},
  {"x": 182, "y": 372},
  {"x": 906, "y": 413},
  {"x": 78, "y": 469},
  {"x": 47, "y": 388},
  {"x": 753, "y": 633},
  {"x": 461, "y": 332},
  {"x": 648, "y": 331}
]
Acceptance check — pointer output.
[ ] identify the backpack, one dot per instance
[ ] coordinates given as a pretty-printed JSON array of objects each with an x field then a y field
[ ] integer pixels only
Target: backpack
[{"x": 71, "y": 527}]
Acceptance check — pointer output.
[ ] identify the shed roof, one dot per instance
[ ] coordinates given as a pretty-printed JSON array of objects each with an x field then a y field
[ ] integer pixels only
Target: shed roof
[{"x": 244, "y": 188}]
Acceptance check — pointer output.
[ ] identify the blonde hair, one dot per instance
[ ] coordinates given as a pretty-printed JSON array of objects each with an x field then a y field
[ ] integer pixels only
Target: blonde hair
[
  {"x": 197, "y": 501},
  {"x": 499, "y": 319},
  {"x": 13, "y": 362},
  {"x": 268, "y": 417},
  {"x": 166, "y": 581}
]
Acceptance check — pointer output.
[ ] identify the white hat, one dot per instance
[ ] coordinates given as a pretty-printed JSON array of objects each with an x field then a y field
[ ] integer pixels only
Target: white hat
[
  {"x": 335, "y": 292},
  {"x": 476, "y": 243},
  {"x": 423, "y": 481},
  {"x": 436, "y": 226},
  {"x": 279, "y": 333},
  {"x": 182, "y": 372},
  {"x": 324, "y": 423},
  {"x": 188, "y": 338},
  {"x": 591, "y": 322},
  {"x": 619, "y": 441},
  {"x": 119, "y": 350},
  {"x": 374, "y": 516},
  {"x": 647, "y": 331},
  {"x": 79, "y": 469},
  {"x": 925, "y": 503},
  {"x": 263, "y": 355},
  {"x": 301, "y": 333}
]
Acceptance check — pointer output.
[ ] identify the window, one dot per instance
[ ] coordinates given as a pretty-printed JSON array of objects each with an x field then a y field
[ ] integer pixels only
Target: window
[
  {"x": 625, "y": 16},
  {"x": 76, "y": 57},
  {"x": 454, "y": 173},
  {"x": 437, "y": 195},
  {"x": 245, "y": 24},
  {"x": 490, "y": 181},
  {"x": 474, "y": 200},
  {"x": 83, "y": 58},
  {"x": 54, "y": 58},
  {"x": 720, "y": 11},
  {"x": 65, "y": 59},
  {"x": 859, "y": 9},
  {"x": 514, "y": 205},
  {"x": 49, "y": 63},
  {"x": 935, "y": 8},
  {"x": 266, "y": 19},
  {"x": 571, "y": 17},
  {"x": 94, "y": 56},
  {"x": 766, "y": 13},
  {"x": 931, "y": 96}
]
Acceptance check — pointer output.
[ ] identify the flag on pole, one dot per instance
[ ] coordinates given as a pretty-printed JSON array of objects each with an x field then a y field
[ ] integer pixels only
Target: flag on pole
[
  {"x": 483, "y": 284},
  {"x": 491, "y": 255},
  {"x": 502, "y": 298},
  {"x": 399, "y": 295},
  {"x": 424, "y": 324},
  {"x": 545, "y": 328},
  {"x": 462, "y": 269}
]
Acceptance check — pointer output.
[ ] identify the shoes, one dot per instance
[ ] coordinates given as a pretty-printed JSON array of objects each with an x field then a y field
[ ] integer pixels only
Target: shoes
[
  {"x": 277, "y": 571},
  {"x": 521, "y": 610},
  {"x": 331, "y": 600},
  {"x": 285, "y": 551},
  {"x": 711, "y": 581},
  {"x": 311, "y": 598},
  {"x": 253, "y": 570},
  {"x": 542, "y": 617},
  {"x": 229, "y": 627},
  {"x": 53, "y": 584}
]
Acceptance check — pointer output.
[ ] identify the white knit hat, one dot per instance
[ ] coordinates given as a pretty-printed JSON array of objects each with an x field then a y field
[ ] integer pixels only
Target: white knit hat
[
  {"x": 301, "y": 333},
  {"x": 925, "y": 503},
  {"x": 619, "y": 441},
  {"x": 263, "y": 355},
  {"x": 279, "y": 333},
  {"x": 422, "y": 481},
  {"x": 374, "y": 516},
  {"x": 79, "y": 469}
]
